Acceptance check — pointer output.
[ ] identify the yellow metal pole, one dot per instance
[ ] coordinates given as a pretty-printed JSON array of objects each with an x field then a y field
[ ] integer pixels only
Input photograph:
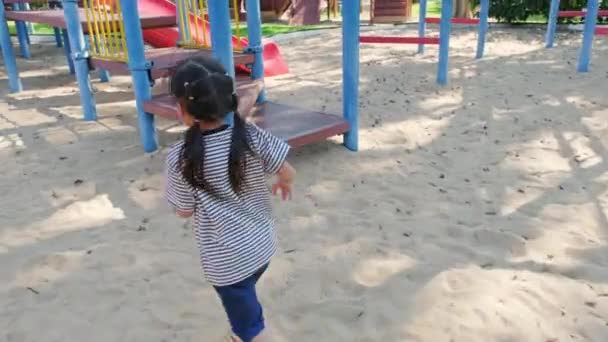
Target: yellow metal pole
[
  {"x": 107, "y": 28},
  {"x": 237, "y": 21},
  {"x": 92, "y": 37},
  {"x": 202, "y": 7}
]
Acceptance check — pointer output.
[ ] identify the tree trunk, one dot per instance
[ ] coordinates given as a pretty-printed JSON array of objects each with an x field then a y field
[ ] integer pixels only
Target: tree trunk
[{"x": 462, "y": 9}]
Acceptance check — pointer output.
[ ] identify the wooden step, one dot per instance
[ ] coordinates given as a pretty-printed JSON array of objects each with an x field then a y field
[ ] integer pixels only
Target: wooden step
[
  {"x": 296, "y": 126},
  {"x": 391, "y": 10},
  {"x": 166, "y": 105},
  {"x": 391, "y": 6}
]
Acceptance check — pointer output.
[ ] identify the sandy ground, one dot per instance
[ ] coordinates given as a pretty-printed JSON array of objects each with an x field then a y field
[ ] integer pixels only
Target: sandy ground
[{"x": 474, "y": 212}]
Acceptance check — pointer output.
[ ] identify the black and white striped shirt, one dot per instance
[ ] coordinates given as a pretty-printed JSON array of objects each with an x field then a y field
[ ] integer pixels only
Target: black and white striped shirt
[{"x": 234, "y": 232}]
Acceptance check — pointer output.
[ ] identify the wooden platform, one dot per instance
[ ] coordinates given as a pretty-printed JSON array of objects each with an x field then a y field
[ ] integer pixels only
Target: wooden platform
[
  {"x": 297, "y": 126},
  {"x": 247, "y": 90},
  {"x": 164, "y": 60},
  {"x": 387, "y": 11},
  {"x": 55, "y": 18}
]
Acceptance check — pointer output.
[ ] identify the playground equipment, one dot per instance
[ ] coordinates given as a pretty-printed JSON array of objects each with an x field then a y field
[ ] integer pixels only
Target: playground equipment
[
  {"x": 389, "y": 11},
  {"x": 158, "y": 18},
  {"x": 200, "y": 34},
  {"x": 443, "y": 40},
  {"x": 590, "y": 28},
  {"x": 296, "y": 126},
  {"x": 116, "y": 28},
  {"x": 299, "y": 12}
]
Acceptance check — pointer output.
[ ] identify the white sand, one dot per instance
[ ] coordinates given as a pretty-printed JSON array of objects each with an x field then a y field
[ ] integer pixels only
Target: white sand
[{"x": 476, "y": 212}]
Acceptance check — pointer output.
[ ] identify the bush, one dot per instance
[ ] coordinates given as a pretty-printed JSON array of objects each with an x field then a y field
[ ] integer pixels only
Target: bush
[{"x": 520, "y": 10}]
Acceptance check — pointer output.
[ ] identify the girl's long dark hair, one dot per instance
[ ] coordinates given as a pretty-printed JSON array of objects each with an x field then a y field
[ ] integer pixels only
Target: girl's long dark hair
[{"x": 206, "y": 92}]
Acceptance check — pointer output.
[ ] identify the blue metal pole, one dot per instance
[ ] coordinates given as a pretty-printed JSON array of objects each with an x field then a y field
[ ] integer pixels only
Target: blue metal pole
[
  {"x": 221, "y": 34},
  {"x": 221, "y": 38},
  {"x": 422, "y": 24},
  {"x": 552, "y": 24},
  {"x": 588, "y": 34},
  {"x": 104, "y": 75},
  {"x": 67, "y": 50},
  {"x": 30, "y": 26},
  {"x": 80, "y": 58},
  {"x": 8, "y": 54},
  {"x": 140, "y": 73},
  {"x": 254, "y": 31},
  {"x": 56, "y": 30},
  {"x": 483, "y": 27},
  {"x": 58, "y": 39},
  {"x": 444, "y": 41},
  {"x": 22, "y": 35},
  {"x": 350, "y": 71}
]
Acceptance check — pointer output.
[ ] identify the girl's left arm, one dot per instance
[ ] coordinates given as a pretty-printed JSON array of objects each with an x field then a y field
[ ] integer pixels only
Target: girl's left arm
[{"x": 179, "y": 192}]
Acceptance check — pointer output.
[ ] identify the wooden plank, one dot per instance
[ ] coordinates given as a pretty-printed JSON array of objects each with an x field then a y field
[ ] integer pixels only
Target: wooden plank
[
  {"x": 297, "y": 126},
  {"x": 55, "y": 18},
  {"x": 399, "y": 40},
  {"x": 389, "y": 19},
  {"x": 164, "y": 60},
  {"x": 166, "y": 105}
]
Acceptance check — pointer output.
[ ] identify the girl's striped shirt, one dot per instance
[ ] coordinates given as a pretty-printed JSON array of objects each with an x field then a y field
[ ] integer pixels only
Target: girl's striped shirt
[{"x": 234, "y": 232}]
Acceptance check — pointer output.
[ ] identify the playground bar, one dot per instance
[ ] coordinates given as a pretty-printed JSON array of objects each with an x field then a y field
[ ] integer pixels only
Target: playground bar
[
  {"x": 140, "y": 72},
  {"x": 400, "y": 40},
  {"x": 254, "y": 25},
  {"x": 422, "y": 25},
  {"x": 483, "y": 27},
  {"x": 575, "y": 14},
  {"x": 80, "y": 56},
  {"x": 552, "y": 25},
  {"x": 8, "y": 54},
  {"x": 221, "y": 33},
  {"x": 444, "y": 41},
  {"x": 67, "y": 51},
  {"x": 588, "y": 34},
  {"x": 459, "y": 21},
  {"x": 22, "y": 35},
  {"x": 350, "y": 72}
]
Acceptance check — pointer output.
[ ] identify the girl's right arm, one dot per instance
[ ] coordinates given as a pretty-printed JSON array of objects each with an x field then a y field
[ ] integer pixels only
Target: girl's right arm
[{"x": 273, "y": 152}]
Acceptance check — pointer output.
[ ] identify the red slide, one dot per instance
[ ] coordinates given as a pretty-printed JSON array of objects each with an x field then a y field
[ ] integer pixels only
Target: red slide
[{"x": 166, "y": 37}]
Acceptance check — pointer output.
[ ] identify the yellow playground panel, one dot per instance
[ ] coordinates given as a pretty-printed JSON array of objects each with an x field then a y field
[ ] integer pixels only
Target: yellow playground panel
[
  {"x": 106, "y": 29},
  {"x": 192, "y": 16}
]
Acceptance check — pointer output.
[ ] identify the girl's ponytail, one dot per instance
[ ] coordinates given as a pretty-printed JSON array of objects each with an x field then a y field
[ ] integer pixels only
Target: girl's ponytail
[
  {"x": 239, "y": 147},
  {"x": 192, "y": 160}
]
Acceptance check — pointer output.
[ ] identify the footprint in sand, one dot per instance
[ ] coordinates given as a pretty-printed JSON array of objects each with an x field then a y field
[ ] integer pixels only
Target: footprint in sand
[{"x": 505, "y": 241}]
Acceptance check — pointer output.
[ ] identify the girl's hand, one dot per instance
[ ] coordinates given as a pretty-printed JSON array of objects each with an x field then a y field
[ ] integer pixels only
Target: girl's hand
[
  {"x": 285, "y": 188},
  {"x": 284, "y": 182}
]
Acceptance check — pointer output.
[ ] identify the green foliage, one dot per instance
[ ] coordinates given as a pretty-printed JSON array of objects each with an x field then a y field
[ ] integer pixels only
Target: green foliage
[{"x": 521, "y": 10}]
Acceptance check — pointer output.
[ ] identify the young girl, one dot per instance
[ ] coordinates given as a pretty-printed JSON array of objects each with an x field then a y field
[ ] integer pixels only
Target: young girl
[{"x": 217, "y": 173}]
